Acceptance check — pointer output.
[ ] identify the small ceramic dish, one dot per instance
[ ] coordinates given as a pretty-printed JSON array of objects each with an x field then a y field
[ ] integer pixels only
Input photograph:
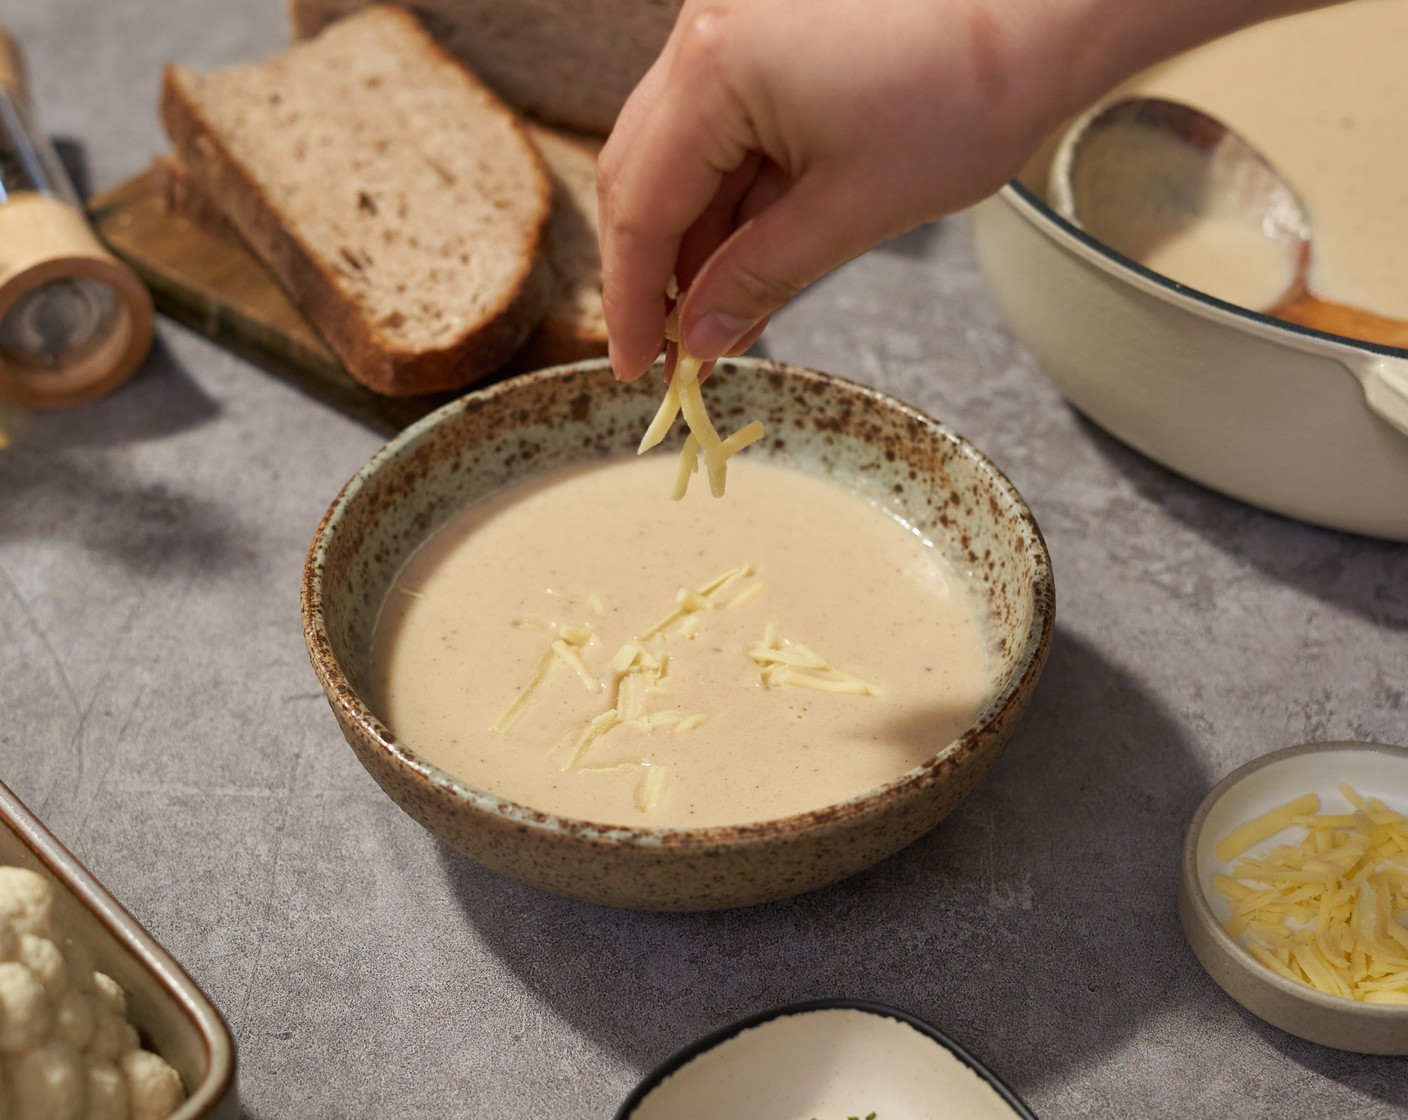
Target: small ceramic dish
[
  {"x": 898, "y": 458},
  {"x": 172, "y": 1015},
  {"x": 1373, "y": 770},
  {"x": 827, "y": 1059}
]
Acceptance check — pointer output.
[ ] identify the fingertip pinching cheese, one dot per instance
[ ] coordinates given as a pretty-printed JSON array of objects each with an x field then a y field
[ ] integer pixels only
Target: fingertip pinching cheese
[{"x": 683, "y": 396}]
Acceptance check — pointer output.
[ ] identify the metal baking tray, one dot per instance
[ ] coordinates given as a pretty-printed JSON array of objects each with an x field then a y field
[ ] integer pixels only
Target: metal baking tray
[{"x": 172, "y": 1015}]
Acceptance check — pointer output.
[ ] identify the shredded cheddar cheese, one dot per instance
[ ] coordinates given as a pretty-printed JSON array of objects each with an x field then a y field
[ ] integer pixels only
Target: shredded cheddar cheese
[
  {"x": 569, "y": 656},
  {"x": 744, "y": 597},
  {"x": 639, "y": 670},
  {"x": 650, "y": 788},
  {"x": 1328, "y": 911},
  {"x": 514, "y": 710},
  {"x": 683, "y": 396},
  {"x": 1265, "y": 826},
  {"x": 563, "y": 650},
  {"x": 786, "y": 663},
  {"x": 594, "y": 730},
  {"x": 702, "y": 598},
  {"x": 689, "y": 465}
]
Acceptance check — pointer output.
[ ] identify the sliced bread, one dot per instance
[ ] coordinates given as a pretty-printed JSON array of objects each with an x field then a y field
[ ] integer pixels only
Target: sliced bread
[
  {"x": 186, "y": 197},
  {"x": 393, "y": 195},
  {"x": 574, "y": 325},
  {"x": 566, "y": 62}
]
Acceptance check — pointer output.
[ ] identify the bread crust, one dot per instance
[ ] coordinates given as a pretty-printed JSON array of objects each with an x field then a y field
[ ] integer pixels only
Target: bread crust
[
  {"x": 569, "y": 332},
  {"x": 372, "y": 359},
  {"x": 185, "y": 197}
]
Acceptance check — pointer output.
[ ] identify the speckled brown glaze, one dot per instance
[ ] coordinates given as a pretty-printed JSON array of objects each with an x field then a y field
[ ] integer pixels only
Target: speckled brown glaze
[{"x": 898, "y": 457}]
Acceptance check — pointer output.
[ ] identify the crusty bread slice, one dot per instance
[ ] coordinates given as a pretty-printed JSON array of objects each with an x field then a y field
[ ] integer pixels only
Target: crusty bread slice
[
  {"x": 186, "y": 197},
  {"x": 566, "y": 62},
  {"x": 395, "y": 197},
  {"x": 574, "y": 325}
]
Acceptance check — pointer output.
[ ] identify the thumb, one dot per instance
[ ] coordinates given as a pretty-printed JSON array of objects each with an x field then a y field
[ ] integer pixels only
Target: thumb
[{"x": 795, "y": 235}]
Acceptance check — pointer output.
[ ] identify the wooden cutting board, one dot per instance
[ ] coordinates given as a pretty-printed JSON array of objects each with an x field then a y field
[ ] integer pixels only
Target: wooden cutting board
[{"x": 214, "y": 285}]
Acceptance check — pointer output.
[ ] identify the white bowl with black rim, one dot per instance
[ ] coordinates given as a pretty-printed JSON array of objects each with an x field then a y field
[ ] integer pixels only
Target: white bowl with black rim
[{"x": 830, "y": 1059}]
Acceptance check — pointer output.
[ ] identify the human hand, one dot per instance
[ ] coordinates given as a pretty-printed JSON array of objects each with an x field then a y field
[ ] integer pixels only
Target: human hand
[{"x": 773, "y": 140}]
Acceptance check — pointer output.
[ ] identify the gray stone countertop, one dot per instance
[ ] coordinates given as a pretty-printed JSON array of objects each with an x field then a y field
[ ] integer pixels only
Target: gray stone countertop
[{"x": 160, "y": 715}]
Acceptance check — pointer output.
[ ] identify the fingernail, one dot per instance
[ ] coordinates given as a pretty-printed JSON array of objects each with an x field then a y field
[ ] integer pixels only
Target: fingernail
[
  {"x": 614, "y": 358},
  {"x": 713, "y": 335}
]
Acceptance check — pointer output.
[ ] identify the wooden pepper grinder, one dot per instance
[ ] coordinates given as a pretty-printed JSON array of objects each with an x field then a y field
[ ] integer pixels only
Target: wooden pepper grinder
[{"x": 75, "y": 322}]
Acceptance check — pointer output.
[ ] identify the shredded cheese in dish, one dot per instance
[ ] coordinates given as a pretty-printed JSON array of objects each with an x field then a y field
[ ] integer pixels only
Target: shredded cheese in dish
[{"x": 1329, "y": 911}]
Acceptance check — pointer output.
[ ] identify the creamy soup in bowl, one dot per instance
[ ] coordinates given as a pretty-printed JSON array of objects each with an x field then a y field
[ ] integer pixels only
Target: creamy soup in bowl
[
  {"x": 689, "y": 704},
  {"x": 637, "y": 661}
]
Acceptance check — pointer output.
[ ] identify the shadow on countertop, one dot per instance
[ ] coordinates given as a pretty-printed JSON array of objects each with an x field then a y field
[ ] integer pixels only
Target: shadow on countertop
[
  {"x": 1362, "y": 575},
  {"x": 1008, "y": 927},
  {"x": 76, "y": 459}
]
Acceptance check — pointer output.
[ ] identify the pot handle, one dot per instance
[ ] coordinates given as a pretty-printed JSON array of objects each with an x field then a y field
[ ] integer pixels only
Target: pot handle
[{"x": 1385, "y": 382}]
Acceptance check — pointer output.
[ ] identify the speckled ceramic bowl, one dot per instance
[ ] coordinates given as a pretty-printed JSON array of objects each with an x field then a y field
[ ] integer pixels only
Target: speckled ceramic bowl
[{"x": 817, "y": 423}]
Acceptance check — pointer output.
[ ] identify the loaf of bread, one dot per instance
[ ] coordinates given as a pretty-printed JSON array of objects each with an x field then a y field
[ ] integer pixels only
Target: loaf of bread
[
  {"x": 566, "y": 62},
  {"x": 395, "y": 197}
]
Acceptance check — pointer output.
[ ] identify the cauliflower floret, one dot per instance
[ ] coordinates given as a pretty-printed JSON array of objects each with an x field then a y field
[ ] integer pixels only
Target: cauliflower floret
[
  {"x": 26, "y": 901},
  {"x": 46, "y": 1083},
  {"x": 154, "y": 1089},
  {"x": 80, "y": 965},
  {"x": 113, "y": 1036},
  {"x": 9, "y": 942},
  {"x": 67, "y": 1051},
  {"x": 42, "y": 957},
  {"x": 24, "y": 1008},
  {"x": 107, "y": 1092},
  {"x": 110, "y": 993},
  {"x": 74, "y": 1019}
]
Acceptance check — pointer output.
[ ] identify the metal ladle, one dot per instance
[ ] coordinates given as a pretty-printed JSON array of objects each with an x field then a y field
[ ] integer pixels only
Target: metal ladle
[{"x": 1135, "y": 171}]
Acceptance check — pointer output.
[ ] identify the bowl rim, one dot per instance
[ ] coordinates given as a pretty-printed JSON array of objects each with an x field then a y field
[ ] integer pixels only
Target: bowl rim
[
  {"x": 346, "y": 701},
  {"x": 687, "y": 1053},
  {"x": 1202, "y": 911},
  {"x": 1037, "y": 210}
]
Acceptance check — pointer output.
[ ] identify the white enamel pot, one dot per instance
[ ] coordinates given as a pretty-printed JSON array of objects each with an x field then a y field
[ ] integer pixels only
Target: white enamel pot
[{"x": 1310, "y": 425}]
